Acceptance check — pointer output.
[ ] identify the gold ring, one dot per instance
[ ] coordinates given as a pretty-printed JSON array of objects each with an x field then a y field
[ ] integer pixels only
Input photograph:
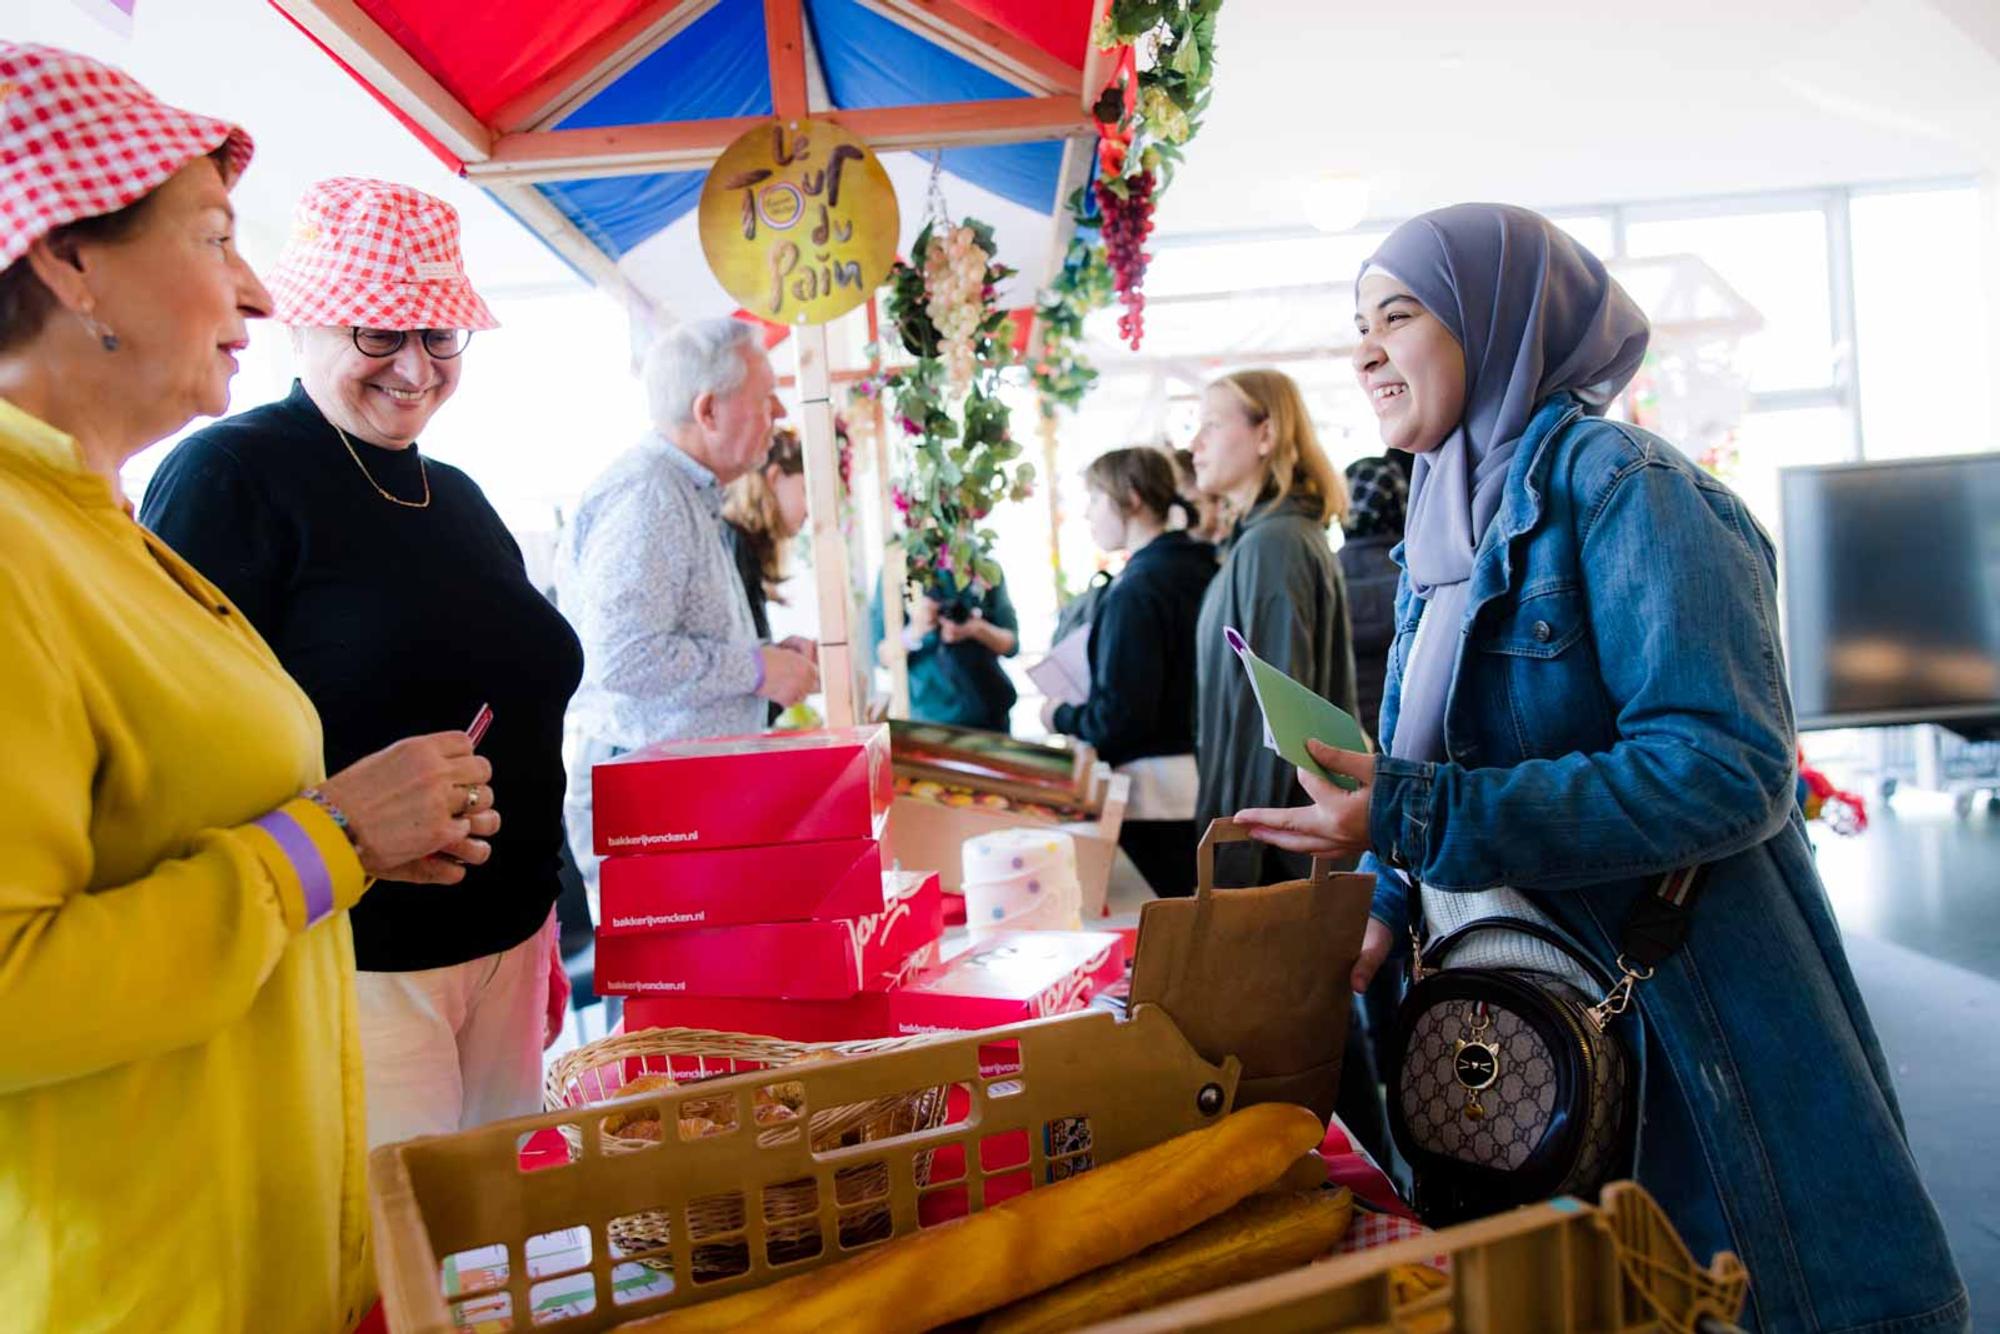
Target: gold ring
[{"x": 471, "y": 799}]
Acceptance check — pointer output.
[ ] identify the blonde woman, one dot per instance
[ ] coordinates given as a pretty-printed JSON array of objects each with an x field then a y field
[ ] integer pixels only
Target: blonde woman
[
  {"x": 1280, "y": 585},
  {"x": 762, "y": 512}
]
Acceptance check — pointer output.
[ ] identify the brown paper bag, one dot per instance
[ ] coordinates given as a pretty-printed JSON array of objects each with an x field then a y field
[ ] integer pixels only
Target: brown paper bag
[{"x": 1259, "y": 974}]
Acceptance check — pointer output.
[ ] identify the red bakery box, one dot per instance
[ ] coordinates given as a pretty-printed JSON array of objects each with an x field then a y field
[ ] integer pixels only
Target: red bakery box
[
  {"x": 789, "y": 960},
  {"x": 787, "y": 882},
  {"x": 736, "y": 792},
  {"x": 862, "y": 1016},
  {"x": 1007, "y": 978}
]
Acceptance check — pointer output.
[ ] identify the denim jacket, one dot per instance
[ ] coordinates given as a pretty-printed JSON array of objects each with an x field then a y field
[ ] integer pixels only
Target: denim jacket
[{"x": 1618, "y": 710}]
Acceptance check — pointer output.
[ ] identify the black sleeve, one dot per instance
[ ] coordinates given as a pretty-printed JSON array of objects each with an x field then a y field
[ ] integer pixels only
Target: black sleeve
[
  {"x": 999, "y": 609},
  {"x": 206, "y": 505},
  {"x": 1126, "y": 661},
  {"x": 750, "y": 573}
]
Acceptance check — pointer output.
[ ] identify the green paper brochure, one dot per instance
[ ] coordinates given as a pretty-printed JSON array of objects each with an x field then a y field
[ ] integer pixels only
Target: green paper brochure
[{"x": 1292, "y": 714}]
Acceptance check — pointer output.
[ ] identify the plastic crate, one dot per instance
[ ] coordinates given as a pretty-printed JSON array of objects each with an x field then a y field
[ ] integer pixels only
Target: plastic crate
[
  {"x": 466, "y": 1237},
  {"x": 1564, "y": 1267}
]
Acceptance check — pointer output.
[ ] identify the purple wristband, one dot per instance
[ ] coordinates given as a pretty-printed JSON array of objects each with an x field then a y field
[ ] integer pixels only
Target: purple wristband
[
  {"x": 314, "y": 879},
  {"x": 758, "y": 654}
]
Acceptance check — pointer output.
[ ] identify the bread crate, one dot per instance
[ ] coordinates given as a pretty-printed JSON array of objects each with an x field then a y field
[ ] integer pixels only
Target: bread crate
[{"x": 466, "y": 1238}]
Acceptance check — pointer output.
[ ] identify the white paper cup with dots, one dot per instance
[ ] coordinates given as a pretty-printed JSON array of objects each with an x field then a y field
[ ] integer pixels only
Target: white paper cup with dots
[{"x": 1021, "y": 879}]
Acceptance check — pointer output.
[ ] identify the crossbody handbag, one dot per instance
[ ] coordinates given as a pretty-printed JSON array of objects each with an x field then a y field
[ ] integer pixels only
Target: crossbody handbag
[{"x": 1509, "y": 1087}]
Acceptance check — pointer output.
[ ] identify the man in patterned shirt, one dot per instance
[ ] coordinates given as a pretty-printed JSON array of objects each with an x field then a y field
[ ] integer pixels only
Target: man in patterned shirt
[{"x": 645, "y": 575}]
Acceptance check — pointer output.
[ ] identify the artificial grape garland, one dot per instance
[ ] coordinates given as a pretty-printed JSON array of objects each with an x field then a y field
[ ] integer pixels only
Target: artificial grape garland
[
  {"x": 1151, "y": 110},
  {"x": 955, "y": 293},
  {"x": 1127, "y": 215}
]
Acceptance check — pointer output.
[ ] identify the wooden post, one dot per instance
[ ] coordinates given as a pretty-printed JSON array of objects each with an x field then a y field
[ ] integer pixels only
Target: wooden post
[
  {"x": 784, "y": 25},
  {"x": 893, "y": 565},
  {"x": 1045, "y": 419},
  {"x": 829, "y": 546}
]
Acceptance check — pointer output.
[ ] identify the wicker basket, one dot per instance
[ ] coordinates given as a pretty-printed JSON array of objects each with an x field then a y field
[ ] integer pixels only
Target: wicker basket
[{"x": 596, "y": 1072}]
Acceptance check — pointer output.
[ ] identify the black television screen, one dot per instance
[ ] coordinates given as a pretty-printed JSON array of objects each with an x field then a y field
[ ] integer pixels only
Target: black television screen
[{"x": 1892, "y": 591}]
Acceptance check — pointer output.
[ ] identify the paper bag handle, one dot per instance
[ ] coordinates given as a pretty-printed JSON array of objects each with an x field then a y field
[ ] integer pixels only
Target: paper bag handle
[{"x": 1228, "y": 831}]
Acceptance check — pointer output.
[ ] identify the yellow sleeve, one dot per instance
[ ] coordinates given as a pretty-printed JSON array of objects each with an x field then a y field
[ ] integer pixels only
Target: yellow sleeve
[{"x": 92, "y": 980}]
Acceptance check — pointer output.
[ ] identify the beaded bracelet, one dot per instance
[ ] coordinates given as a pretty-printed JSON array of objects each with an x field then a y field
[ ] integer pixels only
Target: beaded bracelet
[{"x": 333, "y": 812}]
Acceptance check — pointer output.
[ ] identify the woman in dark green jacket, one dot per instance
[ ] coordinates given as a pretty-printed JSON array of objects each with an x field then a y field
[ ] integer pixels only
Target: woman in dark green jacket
[{"x": 1280, "y": 586}]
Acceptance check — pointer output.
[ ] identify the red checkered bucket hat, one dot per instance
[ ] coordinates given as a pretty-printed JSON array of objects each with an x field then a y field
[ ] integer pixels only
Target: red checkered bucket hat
[
  {"x": 375, "y": 255},
  {"x": 79, "y": 139}
]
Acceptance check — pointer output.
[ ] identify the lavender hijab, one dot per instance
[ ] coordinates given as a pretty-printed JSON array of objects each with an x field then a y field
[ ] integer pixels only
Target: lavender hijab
[{"x": 1536, "y": 315}]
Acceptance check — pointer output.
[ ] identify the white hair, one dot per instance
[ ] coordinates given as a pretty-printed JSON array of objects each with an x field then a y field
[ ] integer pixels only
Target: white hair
[{"x": 692, "y": 359}]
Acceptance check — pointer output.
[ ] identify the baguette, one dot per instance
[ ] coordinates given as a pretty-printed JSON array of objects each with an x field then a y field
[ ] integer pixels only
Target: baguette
[
  {"x": 1016, "y": 1248},
  {"x": 1264, "y": 1235}
]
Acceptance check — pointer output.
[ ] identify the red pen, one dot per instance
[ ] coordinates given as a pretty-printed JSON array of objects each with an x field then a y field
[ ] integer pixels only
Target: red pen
[{"x": 480, "y": 722}]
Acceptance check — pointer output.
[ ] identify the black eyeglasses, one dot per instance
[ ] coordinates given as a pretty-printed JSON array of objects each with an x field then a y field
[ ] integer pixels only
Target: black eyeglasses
[{"x": 444, "y": 344}]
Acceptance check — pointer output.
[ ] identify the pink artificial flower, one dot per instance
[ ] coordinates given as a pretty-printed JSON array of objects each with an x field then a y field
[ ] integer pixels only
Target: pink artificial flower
[
  {"x": 910, "y": 427},
  {"x": 900, "y": 501}
]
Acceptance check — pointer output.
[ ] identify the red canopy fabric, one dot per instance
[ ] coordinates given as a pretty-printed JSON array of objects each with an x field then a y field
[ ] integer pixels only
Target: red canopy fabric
[
  {"x": 1059, "y": 27},
  {"x": 505, "y": 48},
  {"x": 512, "y": 45}
]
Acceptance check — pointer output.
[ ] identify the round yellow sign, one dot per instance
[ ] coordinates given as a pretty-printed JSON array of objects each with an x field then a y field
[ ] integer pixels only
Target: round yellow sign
[{"x": 799, "y": 221}]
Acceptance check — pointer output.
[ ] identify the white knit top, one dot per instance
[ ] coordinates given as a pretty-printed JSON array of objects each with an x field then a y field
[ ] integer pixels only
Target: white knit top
[{"x": 1446, "y": 910}]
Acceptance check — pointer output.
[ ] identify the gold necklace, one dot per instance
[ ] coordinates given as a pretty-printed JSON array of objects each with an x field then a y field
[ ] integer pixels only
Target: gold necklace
[{"x": 422, "y": 472}]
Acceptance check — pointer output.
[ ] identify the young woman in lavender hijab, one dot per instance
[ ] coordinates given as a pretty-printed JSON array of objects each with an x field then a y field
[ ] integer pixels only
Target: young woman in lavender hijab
[{"x": 1586, "y": 693}]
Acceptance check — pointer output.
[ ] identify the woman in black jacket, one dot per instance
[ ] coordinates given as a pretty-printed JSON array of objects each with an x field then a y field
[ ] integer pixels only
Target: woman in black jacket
[
  {"x": 1379, "y": 496},
  {"x": 1140, "y": 713}
]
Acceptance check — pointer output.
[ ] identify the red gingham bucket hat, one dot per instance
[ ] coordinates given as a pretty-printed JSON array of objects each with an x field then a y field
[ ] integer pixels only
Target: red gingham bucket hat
[
  {"x": 376, "y": 255},
  {"x": 79, "y": 139}
]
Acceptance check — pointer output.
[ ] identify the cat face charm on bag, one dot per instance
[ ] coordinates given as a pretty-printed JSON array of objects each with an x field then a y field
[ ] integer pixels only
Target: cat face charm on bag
[{"x": 1476, "y": 1063}]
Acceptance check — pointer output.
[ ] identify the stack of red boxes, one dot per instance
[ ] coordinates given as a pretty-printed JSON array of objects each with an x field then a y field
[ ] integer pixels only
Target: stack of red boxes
[{"x": 745, "y": 886}]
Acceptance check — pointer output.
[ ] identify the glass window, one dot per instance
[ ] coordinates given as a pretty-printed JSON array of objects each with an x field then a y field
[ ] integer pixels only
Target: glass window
[
  {"x": 1768, "y": 441},
  {"x": 1592, "y": 230},
  {"x": 1925, "y": 353},
  {"x": 1778, "y": 263}
]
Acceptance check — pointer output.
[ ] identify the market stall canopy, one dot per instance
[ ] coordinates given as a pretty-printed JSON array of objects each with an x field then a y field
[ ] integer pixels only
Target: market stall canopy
[{"x": 594, "y": 121}]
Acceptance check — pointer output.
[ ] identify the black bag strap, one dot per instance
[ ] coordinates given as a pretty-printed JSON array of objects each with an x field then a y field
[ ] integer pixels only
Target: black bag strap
[{"x": 1658, "y": 923}]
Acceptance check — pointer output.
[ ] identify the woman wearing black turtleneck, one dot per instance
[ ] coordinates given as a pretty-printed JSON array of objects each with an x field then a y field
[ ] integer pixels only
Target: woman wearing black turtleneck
[
  {"x": 391, "y": 591},
  {"x": 1142, "y": 669}
]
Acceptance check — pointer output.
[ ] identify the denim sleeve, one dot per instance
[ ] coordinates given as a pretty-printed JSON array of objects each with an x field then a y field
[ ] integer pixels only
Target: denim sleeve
[
  {"x": 1683, "y": 613},
  {"x": 1393, "y": 905}
]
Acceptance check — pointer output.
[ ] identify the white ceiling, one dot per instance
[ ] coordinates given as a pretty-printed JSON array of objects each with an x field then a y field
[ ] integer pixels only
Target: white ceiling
[{"x": 1554, "y": 102}]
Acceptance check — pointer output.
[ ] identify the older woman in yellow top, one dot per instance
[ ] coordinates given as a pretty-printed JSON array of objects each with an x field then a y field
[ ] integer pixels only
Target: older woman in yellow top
[{"x": 181, "y": 1125}]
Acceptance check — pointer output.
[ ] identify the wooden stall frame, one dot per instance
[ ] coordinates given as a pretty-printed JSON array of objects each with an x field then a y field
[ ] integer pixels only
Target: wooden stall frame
[{"x": 518, "y": 149}]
